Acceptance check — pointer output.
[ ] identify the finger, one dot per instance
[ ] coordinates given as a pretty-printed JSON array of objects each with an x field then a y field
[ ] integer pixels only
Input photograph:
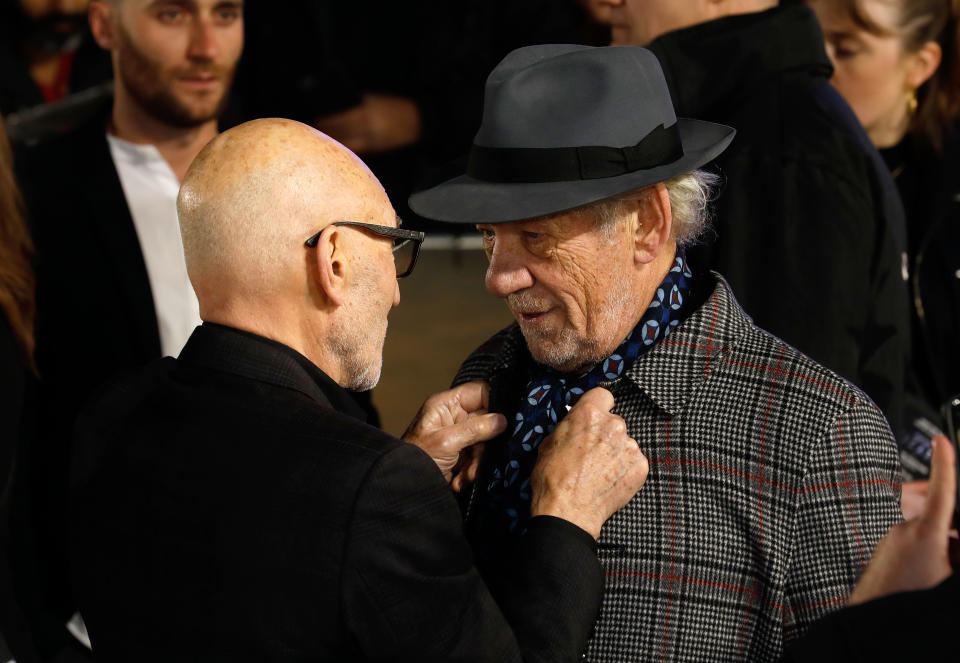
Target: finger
[
  {"x": 473, "y": 468},
  {"x": 918, "y": 488},
  {"x": 597, "y": 397},
  {"x": 942, "y": 489},
  {"x": 481, "y": 428},
  {"x": 472, "y": 396}
]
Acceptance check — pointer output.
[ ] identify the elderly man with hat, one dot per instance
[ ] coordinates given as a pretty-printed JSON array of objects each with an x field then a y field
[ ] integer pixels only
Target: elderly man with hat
[{"x": 771, "y": 478}]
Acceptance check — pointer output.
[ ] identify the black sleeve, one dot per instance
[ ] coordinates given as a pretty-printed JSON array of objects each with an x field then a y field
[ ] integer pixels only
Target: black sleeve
[
  {"x": 902, "y": 627},
  {"x": 410, "y": 590}
]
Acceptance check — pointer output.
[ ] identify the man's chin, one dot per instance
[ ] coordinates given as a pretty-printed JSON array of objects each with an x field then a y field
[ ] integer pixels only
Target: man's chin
[{"x": 553, "y": 355}]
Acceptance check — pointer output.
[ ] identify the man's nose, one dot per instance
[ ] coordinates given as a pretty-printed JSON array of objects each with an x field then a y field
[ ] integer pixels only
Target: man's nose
[
  {"x": 507, "y": 272},
  {"x": 203, "y": 42}
]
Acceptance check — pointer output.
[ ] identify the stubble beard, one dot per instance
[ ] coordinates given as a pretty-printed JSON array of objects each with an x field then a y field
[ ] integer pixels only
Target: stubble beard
[
  {"x": 565, "y": 350},
  {"x": 152, "y": 88},
  {"x": 358, "y": 344}
]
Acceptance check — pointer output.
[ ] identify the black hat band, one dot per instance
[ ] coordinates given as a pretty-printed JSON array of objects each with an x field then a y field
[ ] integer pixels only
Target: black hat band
[{"x": 564, "y": 164}]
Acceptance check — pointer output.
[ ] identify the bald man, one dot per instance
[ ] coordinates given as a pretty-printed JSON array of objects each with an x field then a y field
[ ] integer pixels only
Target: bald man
[{"x": 231, "y": 504}]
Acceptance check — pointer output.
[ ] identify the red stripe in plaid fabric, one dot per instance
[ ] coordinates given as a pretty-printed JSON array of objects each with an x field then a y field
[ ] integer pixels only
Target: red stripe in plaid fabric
[
  {"x": 846, "y": 482},
  {"x": 777, "y": 484},
  {"x": 851, "y": 484},
  {"x": 793, "y": 374},
  {"x": 760, "y": 483},
  {"x": 673, "y": 549},
  {"x": 763, "y": 442},
  {"x": 697, "y": 346},
  {"x": 716, "y": 584}
]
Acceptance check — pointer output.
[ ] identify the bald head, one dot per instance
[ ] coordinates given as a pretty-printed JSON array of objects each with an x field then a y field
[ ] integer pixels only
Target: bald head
[{"x": 251, "y": 198}]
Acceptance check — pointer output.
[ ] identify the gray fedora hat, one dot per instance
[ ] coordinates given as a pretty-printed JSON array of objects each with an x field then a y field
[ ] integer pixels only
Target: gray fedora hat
[{"x": 566, "y": 125}]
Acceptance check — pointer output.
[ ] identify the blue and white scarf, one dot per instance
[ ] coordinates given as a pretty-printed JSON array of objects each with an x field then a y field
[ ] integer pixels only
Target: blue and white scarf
[{"x": 550, "y": 395}]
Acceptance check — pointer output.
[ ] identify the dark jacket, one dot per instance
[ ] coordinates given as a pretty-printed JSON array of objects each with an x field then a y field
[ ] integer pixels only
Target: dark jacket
[
  {"x": 809, "y": 231},
  {"x": 912, "y": 626},
  {"x": 229, "y": 505},
  {"x": 929, "y": 183},
  {"x": 15, "y": 388},
  {"x": 95, "y": 319}
]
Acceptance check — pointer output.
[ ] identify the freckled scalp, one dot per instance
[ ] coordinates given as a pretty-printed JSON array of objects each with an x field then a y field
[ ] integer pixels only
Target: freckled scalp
[{"x": 256, "y": 192}]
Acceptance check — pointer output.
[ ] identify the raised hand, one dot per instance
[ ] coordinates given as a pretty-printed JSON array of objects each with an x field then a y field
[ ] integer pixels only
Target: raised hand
[
  {"x": 449, "y": 423},
  {"x": 914, "y": 555}
]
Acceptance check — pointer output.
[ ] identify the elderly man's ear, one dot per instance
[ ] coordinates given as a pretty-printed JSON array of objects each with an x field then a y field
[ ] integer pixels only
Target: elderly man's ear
[
  {"x": 330, "y": 260},
  {"x": 653, "y": 224}
]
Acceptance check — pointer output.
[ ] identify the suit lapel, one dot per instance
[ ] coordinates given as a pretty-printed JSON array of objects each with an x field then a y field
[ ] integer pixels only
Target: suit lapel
[
  {"x": 113, "y": 226},
  {"x": 671, "y": 372}
]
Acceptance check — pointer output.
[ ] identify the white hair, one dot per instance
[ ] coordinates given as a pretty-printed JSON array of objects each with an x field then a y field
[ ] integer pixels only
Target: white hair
[{"x": 690, "y": 196}]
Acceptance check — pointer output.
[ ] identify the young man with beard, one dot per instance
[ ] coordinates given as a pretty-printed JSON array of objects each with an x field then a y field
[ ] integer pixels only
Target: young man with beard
[{"x": 112, "y": 286}]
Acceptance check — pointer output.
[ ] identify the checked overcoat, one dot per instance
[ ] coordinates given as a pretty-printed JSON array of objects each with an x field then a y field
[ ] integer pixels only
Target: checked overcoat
[{"x": 771, "y": 481}]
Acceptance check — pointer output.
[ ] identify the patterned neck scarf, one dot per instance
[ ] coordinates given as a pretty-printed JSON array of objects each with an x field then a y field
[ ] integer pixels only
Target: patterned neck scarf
[{"x": 549, "y": 396}]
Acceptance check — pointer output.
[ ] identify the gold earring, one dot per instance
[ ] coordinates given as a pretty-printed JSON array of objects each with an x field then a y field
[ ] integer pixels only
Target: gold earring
[{"x": 911, "y": 102}]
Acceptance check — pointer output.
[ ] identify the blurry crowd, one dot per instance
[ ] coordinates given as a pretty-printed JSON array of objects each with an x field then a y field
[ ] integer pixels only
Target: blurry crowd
[{"x": 841, "y": 235}]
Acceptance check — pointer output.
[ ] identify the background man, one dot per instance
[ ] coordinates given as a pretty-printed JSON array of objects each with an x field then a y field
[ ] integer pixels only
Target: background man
[
  {"x": 809, "y": 230},
  {"x": 234, "y": 494},
  {"x": 46, "y": 53},
  {"x": 773, "y": 478},
  {"x": 112, "y": 287}
]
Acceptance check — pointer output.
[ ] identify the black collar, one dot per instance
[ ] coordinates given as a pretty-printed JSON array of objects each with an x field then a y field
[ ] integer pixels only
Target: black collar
[
  {"x": 715, "y": 64},
  {"x": 258, "y": 358}
]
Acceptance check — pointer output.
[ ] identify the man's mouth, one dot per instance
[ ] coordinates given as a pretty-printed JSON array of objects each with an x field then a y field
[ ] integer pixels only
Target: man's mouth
[
  {"x": 200, "y": 82},
  {"x": 532, "y": 316}
]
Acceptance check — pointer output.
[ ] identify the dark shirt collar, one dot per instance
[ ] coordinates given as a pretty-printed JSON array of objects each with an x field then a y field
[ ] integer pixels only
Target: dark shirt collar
[
  {"x": 713, "y": 65},
  {"x": 249, "y": 355}
]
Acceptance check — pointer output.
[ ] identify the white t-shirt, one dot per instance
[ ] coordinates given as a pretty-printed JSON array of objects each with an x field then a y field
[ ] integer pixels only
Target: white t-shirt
[{"x": 150, "y": 188}]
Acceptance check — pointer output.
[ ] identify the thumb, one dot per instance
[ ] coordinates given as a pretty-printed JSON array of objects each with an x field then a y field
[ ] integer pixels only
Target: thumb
[
  {"x": 597, "y": 397},
  {"x": 479, "y": 428},
  {"x": 942, "y": 491}
]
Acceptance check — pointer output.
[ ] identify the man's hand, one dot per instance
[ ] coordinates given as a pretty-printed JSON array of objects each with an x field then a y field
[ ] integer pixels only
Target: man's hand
[
  {"x": 914, "y": 555},
  {"x": 381, "y": 122},
  {"x": 913, "y": 498},
  {"x": 589, "y": 467},
  {"x": 449, "y": 423}
]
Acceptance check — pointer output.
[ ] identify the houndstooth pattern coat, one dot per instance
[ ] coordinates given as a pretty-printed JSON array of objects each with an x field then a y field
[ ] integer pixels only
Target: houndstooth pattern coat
[{"x": 771, "y": 481}]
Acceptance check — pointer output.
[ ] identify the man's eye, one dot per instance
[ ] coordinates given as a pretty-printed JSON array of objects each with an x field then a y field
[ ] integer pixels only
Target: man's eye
[
  {"x": 228, "y": 14},
  {"x": 170, "y": 14},
  {"x": 532, "y": 235}
]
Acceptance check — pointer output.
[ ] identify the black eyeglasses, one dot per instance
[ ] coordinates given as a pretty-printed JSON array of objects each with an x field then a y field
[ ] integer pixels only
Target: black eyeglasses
[{"x": 406, "y": 243}]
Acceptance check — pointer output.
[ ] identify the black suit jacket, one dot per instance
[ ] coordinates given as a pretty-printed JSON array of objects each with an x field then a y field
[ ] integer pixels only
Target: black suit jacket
[
  {"x": 95, "y": 319},
  {"x": 229, "y": 505},
  {"x": 912, "y": 626}
]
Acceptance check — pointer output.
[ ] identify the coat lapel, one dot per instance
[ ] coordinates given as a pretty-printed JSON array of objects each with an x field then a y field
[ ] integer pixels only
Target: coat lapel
[{"x": 113, "y": 227}]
